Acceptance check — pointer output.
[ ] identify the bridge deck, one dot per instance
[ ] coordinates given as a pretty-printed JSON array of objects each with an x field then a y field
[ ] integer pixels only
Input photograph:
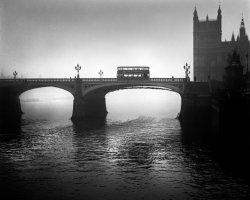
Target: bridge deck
[{"x": 103, "y": 80}]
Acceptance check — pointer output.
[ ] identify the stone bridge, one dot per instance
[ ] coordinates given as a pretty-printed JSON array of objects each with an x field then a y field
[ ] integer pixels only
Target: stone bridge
[{"x": 89, "y": 93}]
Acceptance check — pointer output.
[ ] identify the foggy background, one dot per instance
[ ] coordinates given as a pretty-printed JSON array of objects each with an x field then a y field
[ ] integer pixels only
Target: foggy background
[{"x": 48, "y": 38}]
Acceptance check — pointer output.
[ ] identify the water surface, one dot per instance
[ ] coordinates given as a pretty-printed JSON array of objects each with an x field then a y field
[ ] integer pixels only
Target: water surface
[{"x": 121, "y": 157}]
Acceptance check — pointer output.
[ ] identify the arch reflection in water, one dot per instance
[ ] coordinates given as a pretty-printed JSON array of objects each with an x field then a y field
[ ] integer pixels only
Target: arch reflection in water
[{"x": 10, "y": 128}]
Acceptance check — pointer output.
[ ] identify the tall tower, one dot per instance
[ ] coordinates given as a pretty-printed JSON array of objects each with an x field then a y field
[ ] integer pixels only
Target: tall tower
[
  {"x": 206, "y": 44},
  {"x": 243, "y": 42},
  {"x": 219, "y": 18},
  {"x": 195, "y": 41}
]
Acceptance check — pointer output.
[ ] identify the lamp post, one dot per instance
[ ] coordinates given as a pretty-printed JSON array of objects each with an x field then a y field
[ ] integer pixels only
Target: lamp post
[
  {"x": 15, "y": 74},
  {"x": 78, "y": 68},
  {"x": 100, "y": 73},
  {"x": 187, "y": 71}
]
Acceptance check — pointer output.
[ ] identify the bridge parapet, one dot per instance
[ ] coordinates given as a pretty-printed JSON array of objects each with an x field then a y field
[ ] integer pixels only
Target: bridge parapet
[
  {"x": 84, "y": 85},
  {"x": 103, "y": 80},
  {"x": 36, "y": 80}
]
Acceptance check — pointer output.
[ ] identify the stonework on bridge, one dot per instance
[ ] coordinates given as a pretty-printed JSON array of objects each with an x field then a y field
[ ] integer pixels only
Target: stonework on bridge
[{"x": 89, "y": 93}]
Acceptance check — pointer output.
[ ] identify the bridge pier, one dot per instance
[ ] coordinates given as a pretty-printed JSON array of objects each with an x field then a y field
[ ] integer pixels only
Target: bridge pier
[
  {"x": 195, "y": 112},
  {"x": 195, "y": 115},
  {"x": 10, "y": 106},
  {"x": 92, "y": 106}
]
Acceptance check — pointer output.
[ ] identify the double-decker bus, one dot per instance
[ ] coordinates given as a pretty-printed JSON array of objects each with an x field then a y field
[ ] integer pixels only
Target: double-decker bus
[{"x": 135, "y": 72}]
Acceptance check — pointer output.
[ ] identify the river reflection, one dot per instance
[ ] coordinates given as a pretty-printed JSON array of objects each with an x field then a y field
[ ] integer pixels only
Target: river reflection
[
  {"x": 133, "y": 157},
  {"x": 10, "y": 128},
  {"x": 84, "y": 125}
]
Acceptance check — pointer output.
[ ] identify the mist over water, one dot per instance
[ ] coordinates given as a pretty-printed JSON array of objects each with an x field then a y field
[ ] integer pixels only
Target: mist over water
[
  {"x": 137, "y": 152},
  {"x": 143, "y": 102}
]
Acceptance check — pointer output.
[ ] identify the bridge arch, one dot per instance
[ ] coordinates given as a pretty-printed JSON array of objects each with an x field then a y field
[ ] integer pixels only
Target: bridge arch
[
  {"x": 21, "y": 88},
  {"x": 35, "y": 86},
  {"x": 92, "y": 102},
  {"x": 106, "y": 88},
  {"x": 47, "y": 103},
  {"x": 10, "y": 104},
  {"x": 42, "y": 90},
  {"x": 151, "y": 102}
]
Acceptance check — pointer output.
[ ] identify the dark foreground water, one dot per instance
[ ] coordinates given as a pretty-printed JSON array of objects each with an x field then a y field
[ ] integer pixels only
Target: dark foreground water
[{"x": 116, "y": 158}]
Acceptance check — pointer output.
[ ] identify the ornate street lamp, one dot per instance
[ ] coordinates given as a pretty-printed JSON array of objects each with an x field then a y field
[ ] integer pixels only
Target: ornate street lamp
[
  {"x": 78, "y": 68},
  {"x": 187, "y": 71},
  {"x": 100, "y": 73},
  {"x": 15, "y": 74}
]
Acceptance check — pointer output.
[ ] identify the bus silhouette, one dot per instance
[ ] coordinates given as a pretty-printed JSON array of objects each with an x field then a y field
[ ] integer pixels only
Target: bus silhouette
[{"x": 132, "y": 72}]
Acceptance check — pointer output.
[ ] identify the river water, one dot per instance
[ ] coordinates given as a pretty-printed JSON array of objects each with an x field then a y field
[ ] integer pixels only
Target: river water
[{"x": 128, "y": 157}]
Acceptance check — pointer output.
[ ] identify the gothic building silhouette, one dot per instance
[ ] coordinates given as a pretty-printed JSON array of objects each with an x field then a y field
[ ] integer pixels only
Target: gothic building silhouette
[{"x": 210, "y": 52}]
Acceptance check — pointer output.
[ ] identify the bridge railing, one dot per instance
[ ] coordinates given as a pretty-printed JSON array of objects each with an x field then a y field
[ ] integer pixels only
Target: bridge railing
[
  {"x": 54, "y": 80},
  {"x": 99, "y": 79},
  {"x": 37, "y": 80},
  {"x": 167, "y": 79},
  {"x": 134, "y": 80}
]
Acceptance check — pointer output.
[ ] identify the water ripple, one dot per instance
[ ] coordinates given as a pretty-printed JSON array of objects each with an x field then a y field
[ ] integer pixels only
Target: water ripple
[{"x": 142, "y": 158}]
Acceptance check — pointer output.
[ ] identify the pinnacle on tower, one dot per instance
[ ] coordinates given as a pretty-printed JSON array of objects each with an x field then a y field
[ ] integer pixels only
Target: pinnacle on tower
[
  {"x": 219, "y": 10},
  {"x": 242, "y": 28},
  {"x": 242, "y": 24},
  {"x": 195, "y": 18},
  {"x": 233, "y": 38},
  {"x": 219, "y": 13}
]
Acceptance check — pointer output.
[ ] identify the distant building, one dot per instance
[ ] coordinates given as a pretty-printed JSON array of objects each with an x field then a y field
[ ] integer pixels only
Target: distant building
[{"x": 209, "y": 52}]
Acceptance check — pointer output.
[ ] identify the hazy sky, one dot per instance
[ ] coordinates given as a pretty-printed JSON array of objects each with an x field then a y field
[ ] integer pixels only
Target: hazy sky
[{"x": 47, "y": 38}]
